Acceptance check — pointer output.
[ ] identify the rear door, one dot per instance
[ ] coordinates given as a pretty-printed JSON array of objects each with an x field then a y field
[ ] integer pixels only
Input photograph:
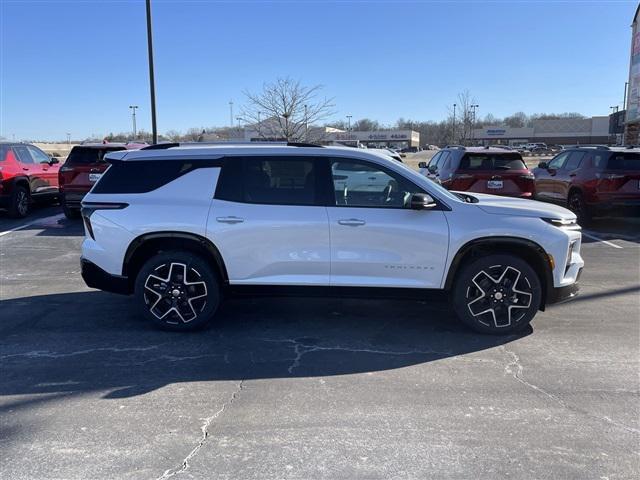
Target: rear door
[
  {"x": 375, "y": 239},
  {"x": 620, "y": 181},
  {"x": 269, "y": 221}
]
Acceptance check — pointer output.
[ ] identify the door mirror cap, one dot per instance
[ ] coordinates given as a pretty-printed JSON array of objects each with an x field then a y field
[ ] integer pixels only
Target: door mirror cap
[
  {"x": 544, "y": 165},
  {"x": 53, "y": 161},
  {"x": 422, "y": 165},
  {"x": 422, "y": 201}
]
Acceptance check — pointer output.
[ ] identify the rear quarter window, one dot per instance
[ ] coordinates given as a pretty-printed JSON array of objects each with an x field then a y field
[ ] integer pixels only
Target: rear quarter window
[
  {"x": 145, "y": 176},
  {"x": 624, "y": 161}
]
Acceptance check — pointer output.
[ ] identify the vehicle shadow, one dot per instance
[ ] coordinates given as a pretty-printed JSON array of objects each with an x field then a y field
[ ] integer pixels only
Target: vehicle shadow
[{"x": 75, "y": 343}]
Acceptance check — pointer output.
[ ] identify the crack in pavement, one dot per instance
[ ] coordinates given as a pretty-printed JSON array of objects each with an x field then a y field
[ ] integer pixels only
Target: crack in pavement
[
  {"x": 300, "y": 349},
  {"x": 205, "y": 434},
  {"x": 517, "y": 374},
  {"x": 48, "y": 354}
]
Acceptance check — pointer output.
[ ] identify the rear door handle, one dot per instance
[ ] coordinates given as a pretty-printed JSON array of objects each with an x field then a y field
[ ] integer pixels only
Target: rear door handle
[
  {"x": 230, "y": 219},
  {"x": 26, "y": 169},
  {"x": 352, "y": 222}
]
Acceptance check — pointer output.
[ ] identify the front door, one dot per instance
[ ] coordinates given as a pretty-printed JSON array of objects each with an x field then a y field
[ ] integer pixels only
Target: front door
[
  {"x": 269, "y": 221},
  {"x": 375, "y": 239},
  {"x": 547, "y": 181}
]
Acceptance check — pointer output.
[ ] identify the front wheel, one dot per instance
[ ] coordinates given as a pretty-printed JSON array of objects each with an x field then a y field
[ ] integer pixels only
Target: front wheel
[
  {"x": 496, "y": 294},
  {"x": 178, "y": 291},
  {"x": 578, "y": 206}
]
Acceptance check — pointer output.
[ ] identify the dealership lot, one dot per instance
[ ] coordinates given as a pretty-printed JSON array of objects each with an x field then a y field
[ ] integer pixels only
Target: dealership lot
[{"x": 293, "y": 388}]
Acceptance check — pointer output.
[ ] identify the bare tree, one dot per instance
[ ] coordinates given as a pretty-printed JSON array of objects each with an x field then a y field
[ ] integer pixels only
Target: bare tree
[{"x": 287, "y": 110}]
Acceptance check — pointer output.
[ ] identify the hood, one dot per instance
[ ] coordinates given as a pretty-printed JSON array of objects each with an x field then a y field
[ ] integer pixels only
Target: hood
[{"x": 498, "y": 205}]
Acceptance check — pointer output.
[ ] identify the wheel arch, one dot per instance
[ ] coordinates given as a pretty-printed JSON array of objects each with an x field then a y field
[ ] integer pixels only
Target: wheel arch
[
  {"x": 145, "y": 246},
  {"x": 574, "y": 189},
  {"x": 528, "y": 250}
]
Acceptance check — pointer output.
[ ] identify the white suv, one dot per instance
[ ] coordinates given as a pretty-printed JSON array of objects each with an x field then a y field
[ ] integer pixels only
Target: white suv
[{"x": 183, "y": 226}]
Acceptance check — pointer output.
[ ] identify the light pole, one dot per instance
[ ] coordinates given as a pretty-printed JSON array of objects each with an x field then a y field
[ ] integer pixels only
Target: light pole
[
  {"x": 473, "y": 123},
  {"x": 454, "y": 123},
  {"x": 133, "y": 117},
  {"x": 614, "y": 109},
  {"x": 349, "y": 124},
  {"x": 68, "y": 138},
  {"x": 152, "y": 82},
  {"x": 231, "y": 113},
  {"x": 238, "y": 120},
  {"x": 306, "y": 123}
]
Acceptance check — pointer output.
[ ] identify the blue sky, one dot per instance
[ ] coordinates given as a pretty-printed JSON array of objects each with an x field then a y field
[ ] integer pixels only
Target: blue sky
[{"x": 76, "y": 66}]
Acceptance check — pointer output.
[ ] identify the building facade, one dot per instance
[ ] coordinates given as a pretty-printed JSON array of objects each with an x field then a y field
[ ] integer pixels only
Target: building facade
[
  {"x": 632, "y": 122},
  {"x": 562, "y": 131}
]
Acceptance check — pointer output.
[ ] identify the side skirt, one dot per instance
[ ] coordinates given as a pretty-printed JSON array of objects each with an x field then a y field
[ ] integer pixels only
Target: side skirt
[{"x": 334, "y": 292}]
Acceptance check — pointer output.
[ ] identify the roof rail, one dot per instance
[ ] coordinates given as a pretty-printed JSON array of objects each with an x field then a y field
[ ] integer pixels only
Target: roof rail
[
  {"x": 462, "y": 147},
  {"x": 161, "y": 146},
  {"x": 164, "y": 146}
]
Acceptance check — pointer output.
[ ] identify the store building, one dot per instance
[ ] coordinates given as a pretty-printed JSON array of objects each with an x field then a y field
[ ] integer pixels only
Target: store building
[
  {"x": 632, "y": 121},
  {"x": 562, "y": 131}
]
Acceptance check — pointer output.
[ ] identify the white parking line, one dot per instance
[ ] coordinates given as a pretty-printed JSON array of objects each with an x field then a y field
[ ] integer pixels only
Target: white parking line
[
  {"x": 35, "y": 222},
  {"x": 593, "y": 237}
]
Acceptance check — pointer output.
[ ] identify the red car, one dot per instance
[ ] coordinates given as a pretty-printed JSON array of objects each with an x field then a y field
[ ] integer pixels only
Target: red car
[
  {"x": 482, "y": 170},
  {"x": 592, "y": 181},
  {"x": 27, "y": 174},
  {"x": 82, "y": 169}
]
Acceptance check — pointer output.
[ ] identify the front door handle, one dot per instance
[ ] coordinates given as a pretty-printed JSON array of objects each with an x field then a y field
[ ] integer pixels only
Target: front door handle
[
  {"x": 230, "y": 219},
  {"x": 352, "y": 222}
]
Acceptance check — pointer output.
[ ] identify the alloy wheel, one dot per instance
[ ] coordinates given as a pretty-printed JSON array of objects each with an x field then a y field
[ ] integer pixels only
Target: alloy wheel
[
  {"x": 499, "y": 296},
  {"x": 175, "y": 293},
  {"x": 22, "y": 203}
]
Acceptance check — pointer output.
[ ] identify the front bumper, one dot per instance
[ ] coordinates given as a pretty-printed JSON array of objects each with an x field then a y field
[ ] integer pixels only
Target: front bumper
[
  {"x": 95, "y": 277},
  {"x": 563, "y": 294}
]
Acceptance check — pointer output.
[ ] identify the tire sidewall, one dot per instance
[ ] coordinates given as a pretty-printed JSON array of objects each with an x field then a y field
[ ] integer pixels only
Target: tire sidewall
[
  {"x": 208, "y": 276},
  {"x": 582, "y": 213},
  {"x": 13, "y": 209},
  {"x": 464, "y": 280},
  {"x": 70, "y": 213}
]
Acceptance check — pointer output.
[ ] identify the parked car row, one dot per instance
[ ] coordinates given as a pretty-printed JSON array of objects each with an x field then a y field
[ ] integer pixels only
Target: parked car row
[
  {"x": 590, "y": 181},
  {"x": 28, "y": 175}
]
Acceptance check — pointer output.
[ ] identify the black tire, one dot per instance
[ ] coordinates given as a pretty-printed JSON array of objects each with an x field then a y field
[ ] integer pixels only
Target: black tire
[
  {"x": 20, "y": 202},
  {"x": 484, "y": 299},
  {"x": 69, "y": 212},
  {"x": 166, "y": 303},
  {"x": 577, "y": 205}
]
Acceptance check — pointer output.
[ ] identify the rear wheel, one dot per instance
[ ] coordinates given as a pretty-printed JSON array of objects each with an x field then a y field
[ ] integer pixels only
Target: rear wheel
[
  {"x": 578, "y": 206},
  {"x": 69, "y": 212},
  {"x": 497, "y": 294},
  {"x": 178, "y": 291},
  {"x": 19, "y": 203}
]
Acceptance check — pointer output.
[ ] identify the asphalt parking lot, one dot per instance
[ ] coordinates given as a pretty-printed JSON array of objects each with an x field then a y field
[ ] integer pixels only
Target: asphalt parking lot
[{"x": 312, "y": 388}]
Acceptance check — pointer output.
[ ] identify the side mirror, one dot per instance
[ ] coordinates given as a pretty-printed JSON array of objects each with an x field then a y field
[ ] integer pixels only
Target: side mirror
[
  {"x": 543, "y": 165},
  {"x": 422, "y": 201},
  {"x": 53, "y": 161},
  {"x": 422, "y": 165}
]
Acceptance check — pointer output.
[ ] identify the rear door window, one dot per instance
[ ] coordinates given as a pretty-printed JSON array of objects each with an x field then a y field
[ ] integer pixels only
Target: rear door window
[
  {"x": 491, "y": 161},
  {"x": 624, "y": 161},
  {"x": 280, "y": 181}
]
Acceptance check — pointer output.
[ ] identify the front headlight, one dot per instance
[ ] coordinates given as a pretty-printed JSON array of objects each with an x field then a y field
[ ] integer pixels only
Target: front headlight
[{"x": 563, "y": 223}]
